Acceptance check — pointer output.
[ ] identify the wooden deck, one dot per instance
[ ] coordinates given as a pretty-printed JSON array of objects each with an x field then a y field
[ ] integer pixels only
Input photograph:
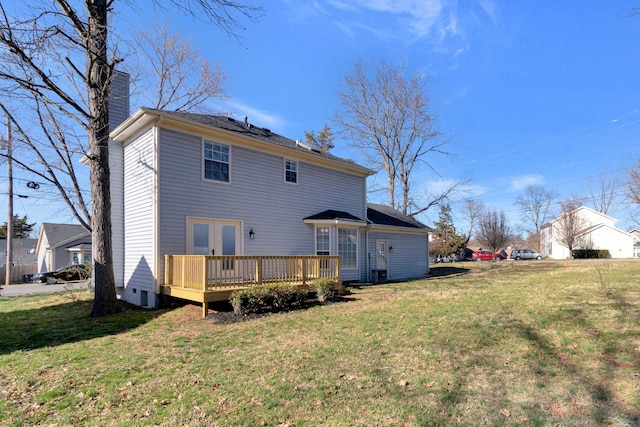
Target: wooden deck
[{"x": 207, "y": 279}]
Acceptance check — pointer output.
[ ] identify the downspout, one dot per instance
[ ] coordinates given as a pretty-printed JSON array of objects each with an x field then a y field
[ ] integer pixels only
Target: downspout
[{"x": 366, "y": 245}]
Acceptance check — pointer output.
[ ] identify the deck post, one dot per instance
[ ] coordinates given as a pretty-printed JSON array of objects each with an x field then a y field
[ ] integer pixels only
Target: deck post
[
  {"x": 259, "y": 270},
  {"x": 205, "y": 309},
  {"x": 204, "y": 274},
  {"x": 304, "y": 270},
  {"x": 167, "y": 263}
]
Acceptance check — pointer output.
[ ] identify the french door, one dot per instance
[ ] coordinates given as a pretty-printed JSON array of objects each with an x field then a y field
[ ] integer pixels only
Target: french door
[{"x": 214, "y": 237}]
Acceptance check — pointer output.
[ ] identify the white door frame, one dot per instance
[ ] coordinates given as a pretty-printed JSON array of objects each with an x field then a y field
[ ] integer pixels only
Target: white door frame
[
  {"x": 214, "y": 240},
  {"x": 382, "y": 255}
]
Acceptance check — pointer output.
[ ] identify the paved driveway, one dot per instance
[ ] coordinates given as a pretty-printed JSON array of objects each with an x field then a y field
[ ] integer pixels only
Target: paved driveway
[{"x": 41, "y": 288}]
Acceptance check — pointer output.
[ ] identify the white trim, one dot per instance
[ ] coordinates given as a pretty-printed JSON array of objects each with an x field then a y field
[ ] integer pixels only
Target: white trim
[
  {"x": 340, "y": 222},
  {"x": 357, "y": 250},
  {"x": 158, "y": 261},
  {"x": 386, "y": 241},
  {"x": 145, "y": 117},
  {"x": 315, "y": 238},
  {"x": 284, "y": 170},
  {"x": 215, "y": 221},
  {"x": 203, "y": 160}
]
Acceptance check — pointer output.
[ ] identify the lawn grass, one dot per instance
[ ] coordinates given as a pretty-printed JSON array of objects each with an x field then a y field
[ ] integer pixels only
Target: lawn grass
[{"x": 504, "y": 343}]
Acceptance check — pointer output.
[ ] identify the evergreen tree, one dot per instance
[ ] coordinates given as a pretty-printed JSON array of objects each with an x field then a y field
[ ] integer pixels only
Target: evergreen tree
[
  {"x": 21, "y": 228},
  {"x": 445, "y": 239}
]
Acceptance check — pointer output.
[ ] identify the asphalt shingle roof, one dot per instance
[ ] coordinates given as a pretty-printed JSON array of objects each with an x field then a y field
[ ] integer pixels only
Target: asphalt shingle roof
[
  {"x": 386, "y": 215},
  {"x": 331, "y": 214},
  {"x": 248, "y": 129},
  {"x": 58, "y": 233}
]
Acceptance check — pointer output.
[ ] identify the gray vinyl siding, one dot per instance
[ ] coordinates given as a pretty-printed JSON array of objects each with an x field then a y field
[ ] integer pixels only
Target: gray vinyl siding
[
  {"x": 257, "y": 195},
  {"x": 118, "y": 99},
  {"x": 139, "y": 218},
  {"x": 407, "y": 260},
  {"x": 116, "y": 158},
  {"x": 118, "y": 113}
]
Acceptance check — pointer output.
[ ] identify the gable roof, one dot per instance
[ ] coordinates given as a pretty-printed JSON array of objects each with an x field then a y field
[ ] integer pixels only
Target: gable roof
[
  {"x": 203, "y": 123},
  {"x": 59, "y": 234},
  {"x": 585, "y": 208},
  {"x": 387, "y": 216},
  {"x": 591, "y": 228},
  {"x": 331, "y": 214}
]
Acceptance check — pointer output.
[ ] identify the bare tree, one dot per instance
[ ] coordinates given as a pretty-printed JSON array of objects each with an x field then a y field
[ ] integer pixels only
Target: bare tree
[
  {"x": 570, "y": 224},
  {"x": 59, "y": 56},
  {"x": 53, "y": 153},
  {"x": 388, "y": 118},
  {"x": 173, "y": 74},
  {"x": 632, "y": 184},
  {"x": 535, "y": 205},
  {"x": 493, "y": 230},
  {"x": 473, "y": 210},
  {"x": 603, "y": 193}
]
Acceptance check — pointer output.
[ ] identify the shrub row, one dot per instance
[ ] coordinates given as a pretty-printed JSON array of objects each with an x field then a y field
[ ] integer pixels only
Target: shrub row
[
  {"x": 590, "y": 253},
  {"x": 280, "y": 296}
]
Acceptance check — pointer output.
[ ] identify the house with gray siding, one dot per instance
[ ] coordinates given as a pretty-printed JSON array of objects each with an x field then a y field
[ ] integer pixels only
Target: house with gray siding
[
  {"x": 185, "y": 183},
  {"x": 60, "y": 245}
]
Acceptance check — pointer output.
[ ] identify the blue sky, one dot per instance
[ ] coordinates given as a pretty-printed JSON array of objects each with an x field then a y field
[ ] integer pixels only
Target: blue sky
[{"x": 538, "y": 92}]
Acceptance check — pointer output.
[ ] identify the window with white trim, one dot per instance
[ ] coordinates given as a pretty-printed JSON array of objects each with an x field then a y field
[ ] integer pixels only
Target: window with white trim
[
  {"x": 348, "y": 247},
  {"x": 323, "y": 241},
  {"x": 291, "y": 171},
  {"x": 216, "y": 160}
]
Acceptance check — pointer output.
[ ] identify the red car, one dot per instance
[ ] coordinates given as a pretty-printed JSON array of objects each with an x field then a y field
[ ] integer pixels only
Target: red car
[{"x": 486, "y": 256}]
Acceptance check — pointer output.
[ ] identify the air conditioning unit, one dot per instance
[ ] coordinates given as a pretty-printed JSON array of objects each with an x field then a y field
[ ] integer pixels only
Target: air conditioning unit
[{"x": 378, "y": 276}]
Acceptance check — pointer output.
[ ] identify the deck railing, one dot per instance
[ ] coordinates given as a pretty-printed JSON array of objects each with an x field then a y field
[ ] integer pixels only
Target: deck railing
[{"x": 200, "y": 272}]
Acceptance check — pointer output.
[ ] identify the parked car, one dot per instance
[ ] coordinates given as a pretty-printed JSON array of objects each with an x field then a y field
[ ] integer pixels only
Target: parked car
[
  {"x": 525, "y": 254},
  {"x": 486, "y": 256},
  {"x": 442, "y": 258},
  {"x": 65, "y": 274}
]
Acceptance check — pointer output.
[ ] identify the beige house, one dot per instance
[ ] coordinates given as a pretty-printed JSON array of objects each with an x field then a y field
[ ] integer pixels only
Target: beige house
[{"x": 597, "y": 231}]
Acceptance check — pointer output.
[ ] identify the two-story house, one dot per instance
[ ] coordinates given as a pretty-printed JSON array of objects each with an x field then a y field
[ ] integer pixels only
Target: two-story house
[
  {"x": 187, "y": 183},
  {"x": 596, "y": 231}
]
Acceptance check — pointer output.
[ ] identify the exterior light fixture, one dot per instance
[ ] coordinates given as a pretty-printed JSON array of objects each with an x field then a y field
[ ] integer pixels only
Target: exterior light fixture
[{"x": 252, "y": 235}]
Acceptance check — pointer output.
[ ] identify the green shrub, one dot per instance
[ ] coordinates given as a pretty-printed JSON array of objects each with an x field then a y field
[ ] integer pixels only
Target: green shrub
[
  {"x": 590, "y": 253},
  {"x": 326, "y": 289},
  {"x": 269, "y": 297}
]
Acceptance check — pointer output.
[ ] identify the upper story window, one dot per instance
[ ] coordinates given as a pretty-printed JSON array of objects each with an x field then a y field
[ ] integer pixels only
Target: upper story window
[
  {"x": 291, "y": 171},
  {"x": 216, "y": 161}
]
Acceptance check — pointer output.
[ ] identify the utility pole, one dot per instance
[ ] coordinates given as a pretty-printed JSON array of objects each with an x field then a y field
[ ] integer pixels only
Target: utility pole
[{"x": 7, "y": 279}]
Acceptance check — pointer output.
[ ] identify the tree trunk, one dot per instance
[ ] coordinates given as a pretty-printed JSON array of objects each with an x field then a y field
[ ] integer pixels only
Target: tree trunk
[{"x": 98, "y": 73}]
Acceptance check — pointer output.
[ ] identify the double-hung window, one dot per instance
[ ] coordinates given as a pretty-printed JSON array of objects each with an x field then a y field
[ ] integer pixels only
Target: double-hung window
[
  {"x": 216, "y": 159},
  {"x": 291, "y": 171},
  {"x": 323, "y": 242},
  {"x": 348, "y": 247}
]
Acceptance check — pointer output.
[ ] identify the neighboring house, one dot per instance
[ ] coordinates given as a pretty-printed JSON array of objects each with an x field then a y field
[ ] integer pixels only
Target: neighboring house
[
  {"x": 598, "y": 232},
  {"x": 23, "y": 250},
  {"x": 197, "y": 184},
  {"x": 636, "y": 242},
  {"x": 60, "y": 245}
]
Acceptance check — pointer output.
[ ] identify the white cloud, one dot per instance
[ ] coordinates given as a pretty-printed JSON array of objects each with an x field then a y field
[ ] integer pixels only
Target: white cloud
[
  {"x": 490, "y": 8},
  {"x": 255, "y": 115},
  {"x": 521, "y": 182}
]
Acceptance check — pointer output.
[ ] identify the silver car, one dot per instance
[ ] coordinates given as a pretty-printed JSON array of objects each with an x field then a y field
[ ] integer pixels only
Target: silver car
[{"x": 525, "y": 254}]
